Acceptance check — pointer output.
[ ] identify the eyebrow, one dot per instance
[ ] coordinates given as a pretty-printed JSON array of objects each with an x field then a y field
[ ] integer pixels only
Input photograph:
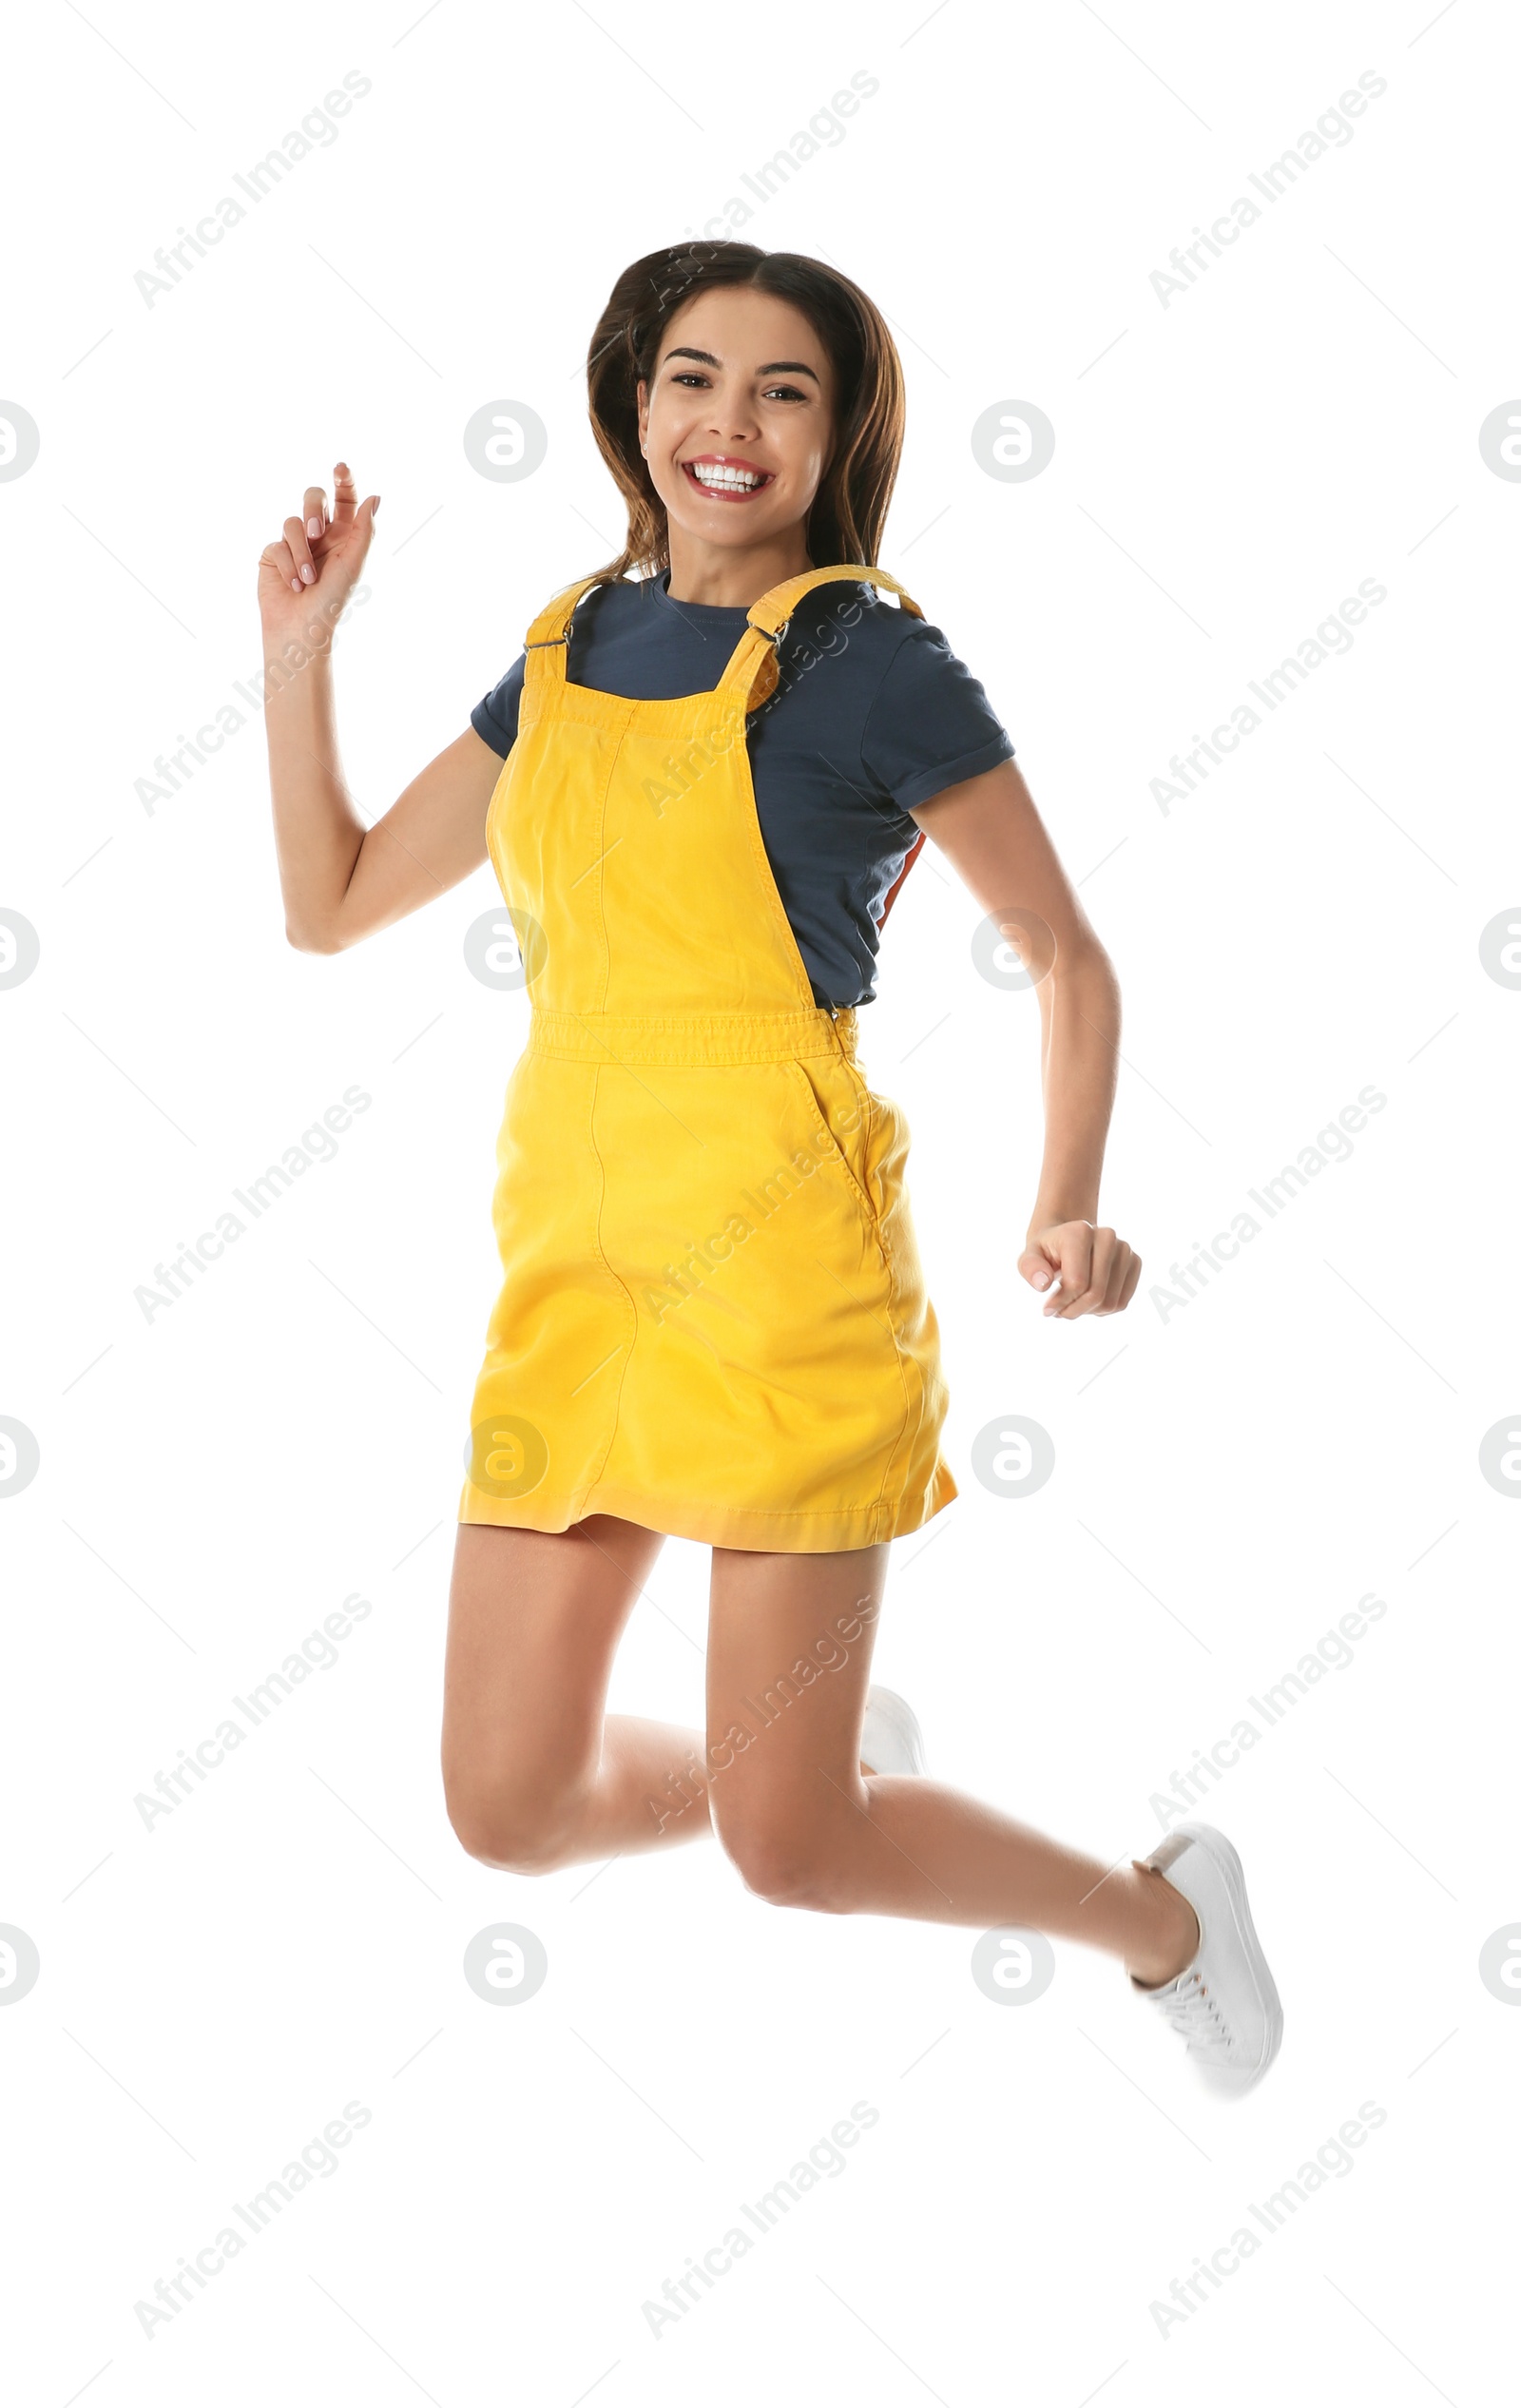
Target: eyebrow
[{"x": 772, "y": 367}]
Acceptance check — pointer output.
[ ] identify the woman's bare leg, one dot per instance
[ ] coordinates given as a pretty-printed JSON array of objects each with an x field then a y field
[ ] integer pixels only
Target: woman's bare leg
[
  {"x": 535, "y": 1775},
  {"x": 805, "y": 1827}
]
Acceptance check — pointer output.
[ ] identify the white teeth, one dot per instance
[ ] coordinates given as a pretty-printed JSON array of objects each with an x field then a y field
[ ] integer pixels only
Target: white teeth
[{"x": 708, "y": 474}]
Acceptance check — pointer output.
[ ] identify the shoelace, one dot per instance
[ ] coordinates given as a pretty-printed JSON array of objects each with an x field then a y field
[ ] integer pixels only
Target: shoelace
[{"x": 1191, "y": 2011}]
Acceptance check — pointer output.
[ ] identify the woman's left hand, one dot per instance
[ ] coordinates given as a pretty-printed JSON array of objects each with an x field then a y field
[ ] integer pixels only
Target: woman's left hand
[{"x": 1087, "y": 1270}]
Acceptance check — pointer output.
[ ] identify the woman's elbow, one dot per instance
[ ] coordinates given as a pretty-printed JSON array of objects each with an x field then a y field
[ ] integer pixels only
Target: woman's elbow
[{"x": 1084, "y": 962}]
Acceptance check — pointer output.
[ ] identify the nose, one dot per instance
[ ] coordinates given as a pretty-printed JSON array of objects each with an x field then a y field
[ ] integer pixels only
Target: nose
[{"x": 733, "y": 420}]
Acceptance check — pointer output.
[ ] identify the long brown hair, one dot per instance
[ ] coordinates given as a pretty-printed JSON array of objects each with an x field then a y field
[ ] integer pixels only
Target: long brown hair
[{"x": 845, "y": 521}]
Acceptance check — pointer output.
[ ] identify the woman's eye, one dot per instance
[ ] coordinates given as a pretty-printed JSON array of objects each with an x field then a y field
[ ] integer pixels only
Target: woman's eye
[{"x": 771, "y": 392}]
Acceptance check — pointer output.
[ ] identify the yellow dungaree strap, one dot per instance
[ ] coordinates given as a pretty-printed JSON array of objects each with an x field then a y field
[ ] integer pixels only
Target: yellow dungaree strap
[
  {"x": 753, "y": 668},
  {"x": 552, "y": 623}
]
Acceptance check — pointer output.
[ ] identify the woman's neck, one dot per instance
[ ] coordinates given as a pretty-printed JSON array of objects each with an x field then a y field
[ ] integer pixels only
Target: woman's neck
[{"x": 732, "y": 578}]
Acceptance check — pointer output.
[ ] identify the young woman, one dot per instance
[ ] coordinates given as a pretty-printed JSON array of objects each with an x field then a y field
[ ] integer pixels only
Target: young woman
[{"x": 699, "y": 790}]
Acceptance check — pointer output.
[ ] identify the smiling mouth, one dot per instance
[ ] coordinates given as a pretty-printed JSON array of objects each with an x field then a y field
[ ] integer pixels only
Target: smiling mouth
[{"x": 727, "y": 480}]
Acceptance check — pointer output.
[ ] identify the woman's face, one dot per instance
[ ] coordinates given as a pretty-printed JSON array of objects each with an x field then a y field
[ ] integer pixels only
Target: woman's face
[{"x": 738, "y": 420}]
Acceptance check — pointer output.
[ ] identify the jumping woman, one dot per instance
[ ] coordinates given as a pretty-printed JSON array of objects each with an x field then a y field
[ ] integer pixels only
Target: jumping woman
[{"x": 700, "y": 788}]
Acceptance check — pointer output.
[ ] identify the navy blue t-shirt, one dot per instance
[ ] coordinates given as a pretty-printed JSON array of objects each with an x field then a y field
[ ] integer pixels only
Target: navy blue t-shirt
[{"x": 872, "y": 716}]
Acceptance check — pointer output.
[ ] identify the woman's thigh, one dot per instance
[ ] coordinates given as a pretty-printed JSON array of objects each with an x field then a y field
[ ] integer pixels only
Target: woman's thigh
[
  {"x": 788, "y": 1663},
  {"x": 534, "y": 1620}
]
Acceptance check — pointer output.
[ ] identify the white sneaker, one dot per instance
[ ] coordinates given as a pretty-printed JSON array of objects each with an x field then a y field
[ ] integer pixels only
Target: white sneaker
[
  {"x": 1224, "y": 2003},
  {"x": 891, "y": 1738}
]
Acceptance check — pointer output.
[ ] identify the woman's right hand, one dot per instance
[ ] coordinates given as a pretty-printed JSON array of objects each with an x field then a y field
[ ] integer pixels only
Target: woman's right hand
[{"x": 305, "y": 577}]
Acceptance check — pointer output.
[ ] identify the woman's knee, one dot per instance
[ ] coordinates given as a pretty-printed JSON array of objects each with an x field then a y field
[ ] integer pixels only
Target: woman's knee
[
  {"x": 780, "y": 1855},
  {"x": 511, "y": 1827}
]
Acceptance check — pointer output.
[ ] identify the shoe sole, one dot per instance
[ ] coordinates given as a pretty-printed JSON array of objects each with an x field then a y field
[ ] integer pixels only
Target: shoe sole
[
  {"x": 900, "y": 1721},
  {"x": 1219, "y": 1848}
]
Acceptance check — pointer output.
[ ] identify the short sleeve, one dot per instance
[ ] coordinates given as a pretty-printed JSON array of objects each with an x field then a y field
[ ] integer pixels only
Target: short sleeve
[
  {"x": 931, "y": 724},
  {"x": 495, "y": 718}
]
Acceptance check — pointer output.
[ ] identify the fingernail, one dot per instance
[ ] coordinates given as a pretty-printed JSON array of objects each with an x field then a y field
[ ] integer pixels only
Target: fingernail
[
  {"x": 1042, "y": 1279},
  {"x": 296, "y": 585},
  {"x": 308, "y": 573},
  {"x": 376, "y": 510},
  {"x": 314, "y": 527}
]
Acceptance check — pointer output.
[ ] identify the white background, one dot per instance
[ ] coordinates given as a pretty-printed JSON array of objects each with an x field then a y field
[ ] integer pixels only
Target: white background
[{"x": 1230, "y": 1479}]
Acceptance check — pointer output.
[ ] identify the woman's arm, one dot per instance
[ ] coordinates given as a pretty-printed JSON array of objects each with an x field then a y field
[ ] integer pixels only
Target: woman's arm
[
  {"x": 991, "y": 832},
  {"x": 340, "y": 880}
]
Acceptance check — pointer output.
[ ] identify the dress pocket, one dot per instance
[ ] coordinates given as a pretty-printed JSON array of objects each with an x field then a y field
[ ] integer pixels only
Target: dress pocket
[
  {"x": 882, "y": 1147},
  {"x": 843, "y": 1118}
]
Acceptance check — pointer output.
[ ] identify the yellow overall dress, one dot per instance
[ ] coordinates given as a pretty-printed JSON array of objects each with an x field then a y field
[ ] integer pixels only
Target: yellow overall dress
[{"x": 712, "y": 1320}]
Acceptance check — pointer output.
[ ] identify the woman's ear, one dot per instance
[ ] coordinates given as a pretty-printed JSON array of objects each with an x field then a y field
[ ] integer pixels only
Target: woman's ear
[{"x": 642, "y": 398}]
